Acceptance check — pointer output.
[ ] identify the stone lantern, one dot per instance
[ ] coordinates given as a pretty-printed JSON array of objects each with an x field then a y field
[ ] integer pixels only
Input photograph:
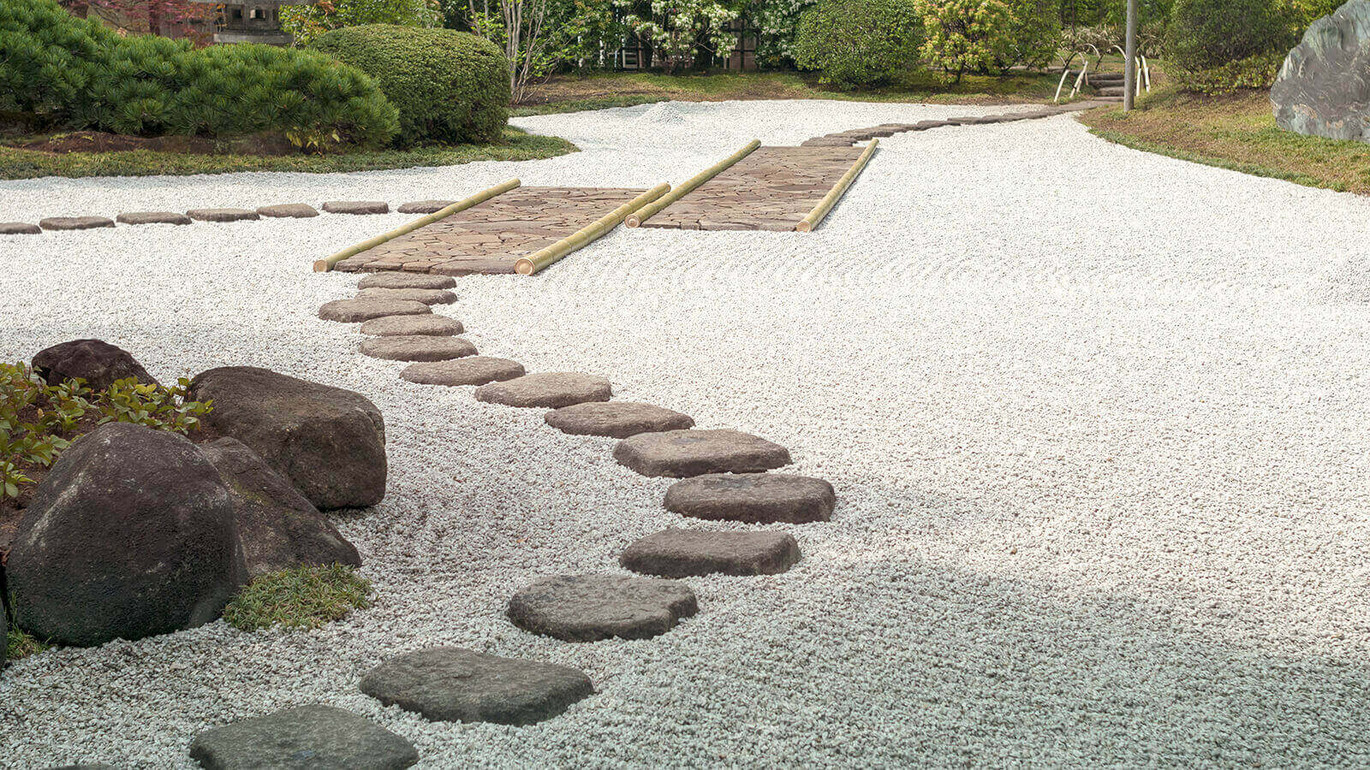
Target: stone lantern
[{"x": 252, "y": 21}]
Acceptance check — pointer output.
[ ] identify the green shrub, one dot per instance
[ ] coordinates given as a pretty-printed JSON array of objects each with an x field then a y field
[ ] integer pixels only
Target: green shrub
[
  {"x": 306, "y": 597},
  {"x": 19, "y": 644},
  {"x": 1254, "y": 72},
  {"x": 1208, "y": 34},
  {"x": 856, "y": 43},
  {"x": 307, "y": 22},
  {"x": 76, "y": 73},
  {"x": 448, "y": 86}
]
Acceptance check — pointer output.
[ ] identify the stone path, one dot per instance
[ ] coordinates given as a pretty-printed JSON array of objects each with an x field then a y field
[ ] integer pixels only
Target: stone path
[{"x": 1028, "y": 112}]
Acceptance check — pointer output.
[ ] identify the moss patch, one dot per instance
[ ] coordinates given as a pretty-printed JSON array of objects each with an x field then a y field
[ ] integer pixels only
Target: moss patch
[
  {"x": 307, "y": 597},
  {"x": 21, "y": 645}
]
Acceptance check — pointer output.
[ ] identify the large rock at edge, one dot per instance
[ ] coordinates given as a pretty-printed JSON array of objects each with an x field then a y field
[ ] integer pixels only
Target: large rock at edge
[
  {"x": 1323, "y": 88},
  {"x": 130, "y": 535},
  {"x": 95, "y": 361},
  {"x": 329, "y": 442}
]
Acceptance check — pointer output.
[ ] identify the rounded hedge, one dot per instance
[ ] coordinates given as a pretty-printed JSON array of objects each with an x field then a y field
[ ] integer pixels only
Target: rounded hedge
[
  {"x": 854, "y": 44},
  {"x": 1209, "y": 34},
  {"x": 449, "y": 87}
]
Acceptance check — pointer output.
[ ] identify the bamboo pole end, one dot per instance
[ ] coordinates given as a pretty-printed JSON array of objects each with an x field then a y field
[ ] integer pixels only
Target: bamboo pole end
[
  {"x": 803, "y": 227},
  {"x": 524, "y": 266},
  {"x": 322, "y": 266},
  {"x": 633, "y": 221}
]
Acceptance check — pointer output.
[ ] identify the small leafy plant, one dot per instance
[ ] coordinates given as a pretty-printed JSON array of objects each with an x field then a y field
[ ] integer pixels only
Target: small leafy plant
[
  {"x": 19, "y": 644},
  {"x": 305, "y": 597}
]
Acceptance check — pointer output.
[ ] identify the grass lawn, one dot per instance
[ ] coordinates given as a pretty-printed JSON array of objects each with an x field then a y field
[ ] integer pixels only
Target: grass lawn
[
  {"x": 16, "y": 163},
  {"x": 623, "y": 89},
  {"x": 1236, "y": 132}
]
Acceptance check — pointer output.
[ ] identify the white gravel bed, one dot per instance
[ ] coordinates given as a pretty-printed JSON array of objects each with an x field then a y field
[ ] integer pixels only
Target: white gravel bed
[{"x": 1096, "y": 420}]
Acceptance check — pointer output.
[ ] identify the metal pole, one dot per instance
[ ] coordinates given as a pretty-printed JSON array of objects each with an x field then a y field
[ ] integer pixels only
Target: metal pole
[{"x": 1130, "y": 66}]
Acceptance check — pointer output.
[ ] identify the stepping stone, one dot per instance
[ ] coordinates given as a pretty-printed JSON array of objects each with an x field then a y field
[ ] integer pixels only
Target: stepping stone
[
  {"x": 759, "y": 498},
  {"x": 488, "y": 266},
  {"x": 419, "y": 347},
  {"x": 449, "y": 684},
  {"x": 476, "y": 370},
  {"x": 426, "y": 296},
  {"x": 222, "y": 215},
  {"x": 153, "y": 218},
  {"x": 588, "y": 608},
  {"x": 395, "y": 280},
  {"x": 552, "y": 390},
  {"x": 19, "y": 228},
  {"x": 678, "y": 553},
  {"x": 356, "y": 310},
  {"x": 683, "y": 453},
  {"x": 357, "y": 207},
  {"x": 616, "y": 419},
  {"x": 308, "y": 736},
  {"x": 409, "y": 325},
  {"x": 74, "y": 223},
  {"x": 289, "y": 211},
  {"x": 424, "y": 207}
]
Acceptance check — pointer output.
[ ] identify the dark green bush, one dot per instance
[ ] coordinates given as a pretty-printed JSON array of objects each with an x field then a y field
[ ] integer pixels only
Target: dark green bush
[
  {"x": 1254, "y": 72},
  {"x": 449, "y": 86},
  {"x": 855, "y": 43},
  {"x": 1208, "y": 34},
  {"x": 77, "y": 74}
]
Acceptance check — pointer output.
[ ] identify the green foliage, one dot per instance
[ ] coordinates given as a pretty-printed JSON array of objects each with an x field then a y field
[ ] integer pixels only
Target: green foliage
[
  {"x": 856, "y": 43},
  {"x": 1209, "y": 34},
  {"x": 306, "y": 597},
  {"x": 1253, "y": 72},
  {"x": 777, "y": 23},
  {"x": 19, "y": 644},
  {"x": 307, "y": 22},
  {"x": 78, "y": 74},
  {"x": 966, "y": 35},
  {"x": 152, "y": 406},
  {"x": 448, "y": 86},
  {"x": 678, "y": 29},
  {"x": 1034, "y": 33}
]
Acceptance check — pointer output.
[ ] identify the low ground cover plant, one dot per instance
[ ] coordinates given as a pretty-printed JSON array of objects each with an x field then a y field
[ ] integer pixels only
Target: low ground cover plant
[{"x": 304, "y": 598}]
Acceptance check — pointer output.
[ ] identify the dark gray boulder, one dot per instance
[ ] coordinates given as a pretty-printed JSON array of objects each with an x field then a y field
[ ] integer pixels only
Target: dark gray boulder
[
  {"x": 1323, "y": 88},
  {"x": 449, "y": 684},
  {"x": 320, "y": 737},
  {"x": 588, "y": 608},
  {"x": 277, "y": 527},
  {"x": 95, "y": 361},
  {"x": 130, "y": 535},
  {"x": 329, "y": 442}
]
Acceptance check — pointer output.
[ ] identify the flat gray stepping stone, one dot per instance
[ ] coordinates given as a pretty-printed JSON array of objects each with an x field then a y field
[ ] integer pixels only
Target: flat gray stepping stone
[
  {"x": 757, "y": 498},
  {"x": 678, "y": 553},
  {"x": 552, "y": 390},
  {"x": 449, "y": 684},
  {"x": 153, "y": 218},
  {"x": 419, "y": 347},
  {"x": 289, "y": 211},
  {"x": 222, "y": 215},
  {"x": 19, "y": 228},
  {"x": 588, "y": 608},
  {"x": 357, "y": 310},
  {"x": 424, "y": 207},
  {"x": 308, "y": 736},
  {"x": 426, "y": 296},
  {"x": 398, "y": 280},
  {"x": 683, "y": 453},
  {"x": 357, "y": 207},
  {"x": 74, "y": 223},
  {"x": 476, "y": 370},
  {"x": 408, "y": 325},
  {"x": 616, "y": 419}
]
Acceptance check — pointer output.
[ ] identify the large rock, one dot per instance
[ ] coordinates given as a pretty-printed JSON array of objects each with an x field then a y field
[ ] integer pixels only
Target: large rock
[
  {"x": 449, "y": 684},
  {"x": 95, "y": 361},
  {"x": 683, "y": 453},
  {"x": 304, "y": 737},
  {"x": 616, "y": 419},
  {"x": 756, "y": 498},
  {"x": 1323, "y": 88},
  {"x": 588, "y": 608},
  {"x": 130, "y": 535},
  {"x": 277, "y": 527},
  {"x": 678, "y": 553},
  {"x": 329, "y": 442}
]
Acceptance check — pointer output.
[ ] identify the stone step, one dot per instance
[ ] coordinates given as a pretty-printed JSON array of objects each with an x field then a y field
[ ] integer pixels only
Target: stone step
[
  {"x": 312, "y": 736},
  {"x": 366, "y": 308},
  {"x": 588, "y": 608},
  {"x": 409, "y": 325},
  {"x": 476, "y": 370},
  {"x": 1111, "y": 91},
  {"x": 153, "y": 218},
  {"x": 616, "y": 419},
  {"x": 426, "y": 296},
  {"x": 758, "y": 498},
  {"x": 678, "y": 553},
  {"x": 417, "y": 347},
  {"x": 406, "y": 281},
  {"x": 551, "y": 390},
  {"x": 357, "y": 207},
  {"x": 684, "y": 453}
]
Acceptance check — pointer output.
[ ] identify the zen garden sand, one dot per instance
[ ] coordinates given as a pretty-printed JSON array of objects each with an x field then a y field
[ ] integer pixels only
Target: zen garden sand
[{"x": 1095, "y": 419}]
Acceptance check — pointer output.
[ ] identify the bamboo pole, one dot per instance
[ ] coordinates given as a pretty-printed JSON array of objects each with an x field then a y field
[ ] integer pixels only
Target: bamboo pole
[
  {"x": 586, "y": 235},
  {"x": 838, "y": 190},
  {"x": 325, "y": 265},
  {"x": 690, "y": 185}
]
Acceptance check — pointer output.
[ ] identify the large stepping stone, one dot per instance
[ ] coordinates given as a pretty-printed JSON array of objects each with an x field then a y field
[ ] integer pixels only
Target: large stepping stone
[
  {"x": 153, "y": 218},
  {"x": 426, "y": 296},
  {"x": 357, "y": 207},
  {"x": 588, "y": 608},
  {"x": 424, "y": 207},
  {"x": 308, "y": 736},
  {"x": 476, "y": 370},
  {"x": 419, "y": 347},
  {"x": 678, "y": 553},
  {"x": 74, "y": 223},
  {"x": 684, "y": 453},
  {"x": 449, "y": 684},
  {"x": 765, "y": 498},
  {"x": 408, "y": 325},
  {"x": 19, "y": 228},
  {"x": 222, "y": 215},
  {"x": 365, "y": 309},
  {"x": 552, "y": 390},
  {"x": 288, "y": 211},
  {"x": 397, "y": 280},
  {"x": 616, "y": 419}
]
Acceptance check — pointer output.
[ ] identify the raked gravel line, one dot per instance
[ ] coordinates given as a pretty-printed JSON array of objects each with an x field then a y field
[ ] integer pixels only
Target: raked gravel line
[{"x": 1096, "y": 419}]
